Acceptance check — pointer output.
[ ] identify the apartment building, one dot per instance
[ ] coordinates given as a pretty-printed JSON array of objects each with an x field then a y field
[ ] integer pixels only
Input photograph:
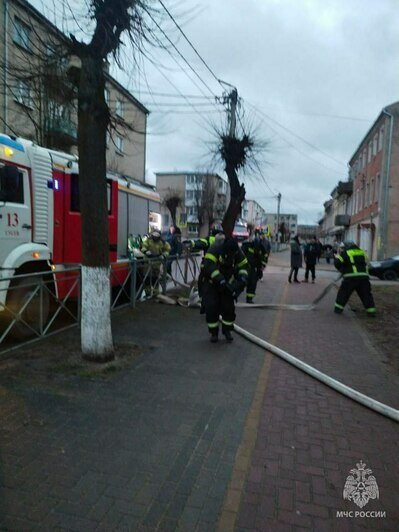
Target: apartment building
[
  {"x": 252, "y": 212},
  {"x": 38, "y": 99},
  {"x": 203, "y": 199},
  {"x": 365, "y": 208},
  {"x": 283, "y": 226}
]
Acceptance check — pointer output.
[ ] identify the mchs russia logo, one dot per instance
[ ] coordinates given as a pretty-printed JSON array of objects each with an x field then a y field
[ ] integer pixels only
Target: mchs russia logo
[{"x": 361, "y": 485}]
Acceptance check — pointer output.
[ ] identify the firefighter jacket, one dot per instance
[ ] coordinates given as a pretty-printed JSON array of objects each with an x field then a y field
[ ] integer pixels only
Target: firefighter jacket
[
  {"x": 202, "y": 244},
  {"x": 352, "y": 262},
  {"x": 223, "y": 267},
  {"x": 155, "y": 247},
  {"x": 255, "y": 253}
]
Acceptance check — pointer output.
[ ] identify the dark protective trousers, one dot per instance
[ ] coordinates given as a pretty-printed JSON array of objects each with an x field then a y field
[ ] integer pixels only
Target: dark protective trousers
[
  {"x": 363, "y": 288},
  {"x": 252, "y": 282},
  {"x": 218, "y": 303}
]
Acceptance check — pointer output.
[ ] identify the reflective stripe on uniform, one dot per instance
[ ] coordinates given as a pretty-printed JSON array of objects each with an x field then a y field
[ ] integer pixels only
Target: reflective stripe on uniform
[
  {"x": 242, "y": 263},
  {"x": 213, "y": 325},
  {"x": 357, "y": 274},
  {"x": 339, "y": 306},
  {"x": 250, "y": 295},
  {"x": 215, "y": 274},
  {"x": 371, "y": 310},
  {"x": 340, "y": 258},
  {"x": 211, "y": 257},
  {"x": 227, "y": 322},
  {"x": 243, "y": 272},
  {"x": 251, "y": 250}
]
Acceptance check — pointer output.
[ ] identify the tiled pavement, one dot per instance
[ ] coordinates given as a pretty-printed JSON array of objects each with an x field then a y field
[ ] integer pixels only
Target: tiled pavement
[{"x": 197, "y": 436}]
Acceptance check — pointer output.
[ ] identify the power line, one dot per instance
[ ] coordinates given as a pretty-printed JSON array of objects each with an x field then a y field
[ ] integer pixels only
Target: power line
[
  {"x": 178, "y": 51},
  {"x": 190, "y": 43},
  {"x": 296, "y": 135},
  {"x": 169, "y": 95}
]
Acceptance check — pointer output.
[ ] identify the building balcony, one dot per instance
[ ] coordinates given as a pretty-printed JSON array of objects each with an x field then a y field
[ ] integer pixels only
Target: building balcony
[{"x": 61, "y": 132}]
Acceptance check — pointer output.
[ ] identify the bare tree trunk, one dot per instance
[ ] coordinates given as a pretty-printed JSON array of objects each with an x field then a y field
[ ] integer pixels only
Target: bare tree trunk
[
  {"x": 237, "y": 196},
  {"x": 96, "y": 335}
]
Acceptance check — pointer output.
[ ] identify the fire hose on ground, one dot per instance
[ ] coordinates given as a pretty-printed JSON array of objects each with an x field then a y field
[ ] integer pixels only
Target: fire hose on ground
[{"x": 353, "y": 394}]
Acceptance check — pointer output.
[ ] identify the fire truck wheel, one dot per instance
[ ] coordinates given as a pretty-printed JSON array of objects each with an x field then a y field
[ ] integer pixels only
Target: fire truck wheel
[{"x": 21, "y": 292}]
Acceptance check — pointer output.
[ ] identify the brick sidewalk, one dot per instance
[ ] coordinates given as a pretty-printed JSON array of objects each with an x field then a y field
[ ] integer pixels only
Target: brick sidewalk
[
  {"x": 195, "y": 436},
  {"x": 309, "y": 436}
]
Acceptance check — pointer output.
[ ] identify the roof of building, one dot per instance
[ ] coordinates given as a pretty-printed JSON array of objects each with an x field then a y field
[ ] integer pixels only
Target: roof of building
[{"x": 392, "y": 108}]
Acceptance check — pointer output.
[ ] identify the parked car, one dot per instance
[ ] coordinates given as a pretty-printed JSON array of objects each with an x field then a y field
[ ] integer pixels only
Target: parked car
[
  {"x": 387, "y": 269},
  {"x": 240, "y": 232}
]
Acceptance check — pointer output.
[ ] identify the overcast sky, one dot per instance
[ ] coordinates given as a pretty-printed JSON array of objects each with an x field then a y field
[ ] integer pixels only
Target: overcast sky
[{"x": 313, "y": 75}]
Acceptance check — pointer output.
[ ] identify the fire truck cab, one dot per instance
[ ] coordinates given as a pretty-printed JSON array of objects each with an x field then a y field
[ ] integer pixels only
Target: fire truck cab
[{"x": 40, "y": 222}]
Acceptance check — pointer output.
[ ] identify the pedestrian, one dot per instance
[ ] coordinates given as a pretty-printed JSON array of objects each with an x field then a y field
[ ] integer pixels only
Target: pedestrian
[
  {"x": 225, "y": 277},
  {"x": 255, "y": 252},
  {"x": 352, "y": 263},
  {"x": 173, "y": 238},
  {"x": 328, "y": 253},
  {"x": 319, "y": 246},
  {"x": 310, "y": 254},
  {"x": 296, "y": 259}
]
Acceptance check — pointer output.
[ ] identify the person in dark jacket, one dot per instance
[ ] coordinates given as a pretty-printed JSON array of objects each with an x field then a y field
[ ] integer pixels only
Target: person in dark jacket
[
  {"x": 173, "y": 238},
  {"x": 225, "y": 277},
  {"x": 352, "y": 263},
  {"x": 255, "y": 252},
  {"x": 296, "y": 259},
  {"x": 310, "y": 254}
]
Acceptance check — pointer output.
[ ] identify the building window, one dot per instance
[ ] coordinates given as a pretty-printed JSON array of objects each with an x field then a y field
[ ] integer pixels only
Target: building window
[
  {"x": 377, "y": 187},
  {"x": 107, "y": 96},
  {"x": 370, "y": 151},
  {"x": 367, "y": 202},
  {"x": 165, "y": 220},
  {"x": 380, "y": 138},
  {"x": 23, "y": 93},
  {"x": 192, "y": 228},
  {"x": 189, "y": 194},
  {"x": 22, "y": 33},
  {"x": 372, "y": 191},
  {"x": 119, "y": 108},
  {"x": 364, "y": 157},
  {"x": 119, "y": 144},
  {"x": 375, "y": 144}
]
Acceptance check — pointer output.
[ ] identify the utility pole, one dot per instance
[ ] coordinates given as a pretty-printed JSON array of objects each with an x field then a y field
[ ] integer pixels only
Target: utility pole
[
  {"x": 278, "y": 218},
  {"x": 233, "y": 97}
]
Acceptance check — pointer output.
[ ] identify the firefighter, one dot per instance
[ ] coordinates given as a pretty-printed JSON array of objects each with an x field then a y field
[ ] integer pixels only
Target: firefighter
[
  {"x": 225, "y": 277},
  {"x": 154, "y": 246},
  {"x": 203, "y": 244},
  {"x": 255, "y": 252},
  {"x": 352, "y": 263}
]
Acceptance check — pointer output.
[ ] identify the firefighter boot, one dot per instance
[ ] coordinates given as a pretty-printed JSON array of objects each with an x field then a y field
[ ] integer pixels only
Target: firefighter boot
[
  {"x": 228, "y": 336},
  {"x": 214, "y": 335}
]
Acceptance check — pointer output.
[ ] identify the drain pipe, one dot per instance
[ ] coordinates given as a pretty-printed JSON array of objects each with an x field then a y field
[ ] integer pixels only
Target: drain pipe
[
  {"x": 5, "y": 82},
  {"x": 364, "y": 400},
  {"x": 386, "y": 186}
]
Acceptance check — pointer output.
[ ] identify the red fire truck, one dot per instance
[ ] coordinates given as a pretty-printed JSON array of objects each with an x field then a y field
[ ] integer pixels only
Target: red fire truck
[{"x": 40, "y": 225}]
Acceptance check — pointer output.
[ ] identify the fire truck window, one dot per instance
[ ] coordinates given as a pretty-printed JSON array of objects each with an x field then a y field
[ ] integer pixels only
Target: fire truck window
[
  {"x": 11, "y": 189},
  {"x": 75, "y": 202}
]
